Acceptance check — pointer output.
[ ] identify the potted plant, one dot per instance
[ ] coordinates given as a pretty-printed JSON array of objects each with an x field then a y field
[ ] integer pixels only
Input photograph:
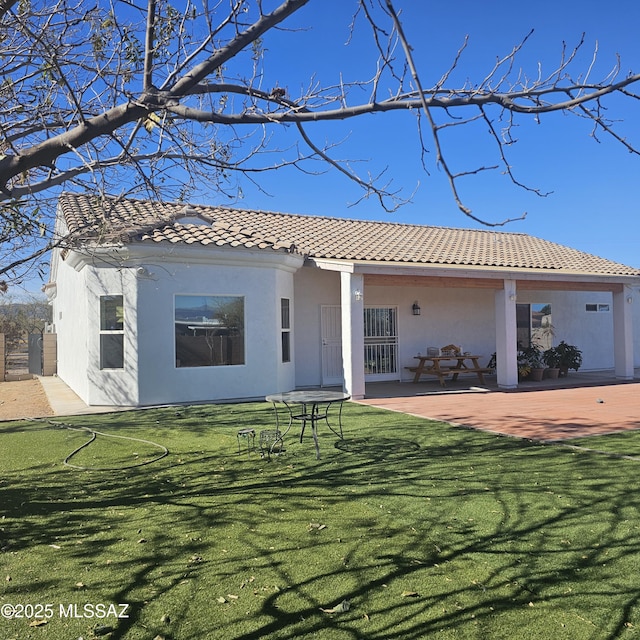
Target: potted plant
[
  {"x": 551, "y": 358},
  {"x": 570, "y": 357},
  {"x": 530, "y": 363},
  {"x": 524, "y": 368}
]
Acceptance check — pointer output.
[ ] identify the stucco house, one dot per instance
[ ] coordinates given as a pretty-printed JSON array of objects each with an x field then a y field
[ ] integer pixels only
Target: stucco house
[{"x": 166, "y": 303}]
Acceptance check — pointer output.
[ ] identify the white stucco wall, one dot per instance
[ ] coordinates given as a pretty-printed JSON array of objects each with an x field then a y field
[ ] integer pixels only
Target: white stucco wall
[
  {"x": 76, "y": 313},
  {"x": 263, "y": 372},
  {"x": 150, "y": 375},
  {"x": 112, "y": 386},
  {"x": 313, "y": 289},
  {"x": 71, "y": 325},
  {"x": 460, "y": 316},
  {"x": 445, "y": 316},
  {"x": 465, "y": 316},
  {"x": 592, "y": 332}
]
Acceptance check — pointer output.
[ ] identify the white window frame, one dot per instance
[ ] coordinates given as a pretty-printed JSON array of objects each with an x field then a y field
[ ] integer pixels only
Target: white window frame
[{"x": 107, "y": 333}]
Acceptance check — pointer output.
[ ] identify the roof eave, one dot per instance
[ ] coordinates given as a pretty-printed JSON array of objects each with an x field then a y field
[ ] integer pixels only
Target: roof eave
[{"x": 472, "y": 271}]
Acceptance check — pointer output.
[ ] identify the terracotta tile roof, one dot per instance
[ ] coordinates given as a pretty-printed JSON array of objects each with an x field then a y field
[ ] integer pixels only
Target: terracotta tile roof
[{"x": 122, "y": 221}]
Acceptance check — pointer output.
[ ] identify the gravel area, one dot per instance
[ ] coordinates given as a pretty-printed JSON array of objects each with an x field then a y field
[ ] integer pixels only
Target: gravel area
[{"x": 23, "y": 399}]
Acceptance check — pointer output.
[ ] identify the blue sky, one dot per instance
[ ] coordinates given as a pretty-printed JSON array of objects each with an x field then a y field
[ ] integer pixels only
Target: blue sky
[{"x": 594, "y": 201}]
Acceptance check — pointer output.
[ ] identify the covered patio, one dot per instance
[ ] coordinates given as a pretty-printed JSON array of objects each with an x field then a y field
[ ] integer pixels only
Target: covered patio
[
  {"x": 582, "y": 404},
  {"x": 498, "y": 291}
]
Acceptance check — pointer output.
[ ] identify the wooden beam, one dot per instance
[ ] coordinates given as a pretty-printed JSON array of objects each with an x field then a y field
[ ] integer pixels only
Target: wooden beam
[{"x": 387, "y": 280}]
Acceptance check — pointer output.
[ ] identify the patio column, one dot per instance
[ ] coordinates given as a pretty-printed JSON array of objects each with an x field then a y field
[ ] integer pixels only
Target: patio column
[
  {"x": 352, "y": 309},
  {"x": 623, "y": 333},
  {"x": 506, "y": 336}
]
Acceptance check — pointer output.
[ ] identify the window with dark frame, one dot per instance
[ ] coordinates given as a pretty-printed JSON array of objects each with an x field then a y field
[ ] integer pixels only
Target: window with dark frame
[
  {"x": 533, "y": 325},
  {"x": 285, "y": 325},
  {"x": 209, "y": 330},
  {"x": 111, "y": 332},
  {"x": 597, "y": 308}
]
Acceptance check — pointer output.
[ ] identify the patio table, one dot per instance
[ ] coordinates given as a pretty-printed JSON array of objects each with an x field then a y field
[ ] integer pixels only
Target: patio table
[
  {"x": 311, "y": 406},
  {"x": 432, "y": 366}
]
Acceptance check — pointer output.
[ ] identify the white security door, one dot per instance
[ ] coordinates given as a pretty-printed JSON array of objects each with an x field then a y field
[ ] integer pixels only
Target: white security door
[
  {"x": 381, "y": 343},
  {"x": 331, "y": 330}
]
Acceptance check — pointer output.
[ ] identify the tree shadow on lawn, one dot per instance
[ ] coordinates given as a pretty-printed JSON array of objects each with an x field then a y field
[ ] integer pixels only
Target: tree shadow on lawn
[
  {"x": 550, "y": 554},
  {"x": 422, "y": 527}
]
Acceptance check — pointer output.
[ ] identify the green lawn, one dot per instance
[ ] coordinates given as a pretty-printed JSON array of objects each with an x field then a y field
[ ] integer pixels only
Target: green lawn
[{"x": 425, "y": 529}]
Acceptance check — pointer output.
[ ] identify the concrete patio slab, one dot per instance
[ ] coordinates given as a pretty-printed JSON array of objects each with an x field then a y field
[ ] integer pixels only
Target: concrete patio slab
[{"x": 65, "y": 402}]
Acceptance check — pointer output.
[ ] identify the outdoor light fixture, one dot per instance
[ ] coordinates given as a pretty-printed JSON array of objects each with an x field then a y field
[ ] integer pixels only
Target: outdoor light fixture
[
  {"x": 415, "y": 309},
  {"x": 143, "y": 272},
  {"x": 629, "y": 299},
  {"x": 357, "y": 294},
  {"x": 513, "y": 297}
]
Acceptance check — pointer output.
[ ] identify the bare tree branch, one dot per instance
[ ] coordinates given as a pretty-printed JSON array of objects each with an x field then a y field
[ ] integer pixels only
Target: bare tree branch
[
  {"x": 149, "y": 46},
  {"x": 6, "y": 6},
  {"x": 143, "y": 96},
  {"x": 369, "y": 187}
]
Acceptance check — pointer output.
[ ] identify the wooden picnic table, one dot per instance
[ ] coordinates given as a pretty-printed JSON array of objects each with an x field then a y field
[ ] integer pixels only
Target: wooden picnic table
[{"x": 460, "y": 364}]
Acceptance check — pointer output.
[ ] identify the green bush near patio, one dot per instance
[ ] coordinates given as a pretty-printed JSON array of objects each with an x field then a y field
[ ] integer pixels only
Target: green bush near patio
[{"x": 427, "y": 530}]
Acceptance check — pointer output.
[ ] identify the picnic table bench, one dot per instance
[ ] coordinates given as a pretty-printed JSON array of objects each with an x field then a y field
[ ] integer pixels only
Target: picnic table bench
[{"x": 461, "y": 364}]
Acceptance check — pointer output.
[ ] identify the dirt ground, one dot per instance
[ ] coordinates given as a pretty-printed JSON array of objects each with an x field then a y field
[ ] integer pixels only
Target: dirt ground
[{"x": 23, "y": 399}]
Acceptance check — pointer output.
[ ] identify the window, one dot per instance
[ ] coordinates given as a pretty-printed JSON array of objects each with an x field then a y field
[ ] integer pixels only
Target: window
[
  {"x": 598, "y": 308},
  {"x": 111, "y": 332},
  {"x": 209, "y": 330},
  {"x": 534, "y": 326},
  {"x": 285, "y": 324}
]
